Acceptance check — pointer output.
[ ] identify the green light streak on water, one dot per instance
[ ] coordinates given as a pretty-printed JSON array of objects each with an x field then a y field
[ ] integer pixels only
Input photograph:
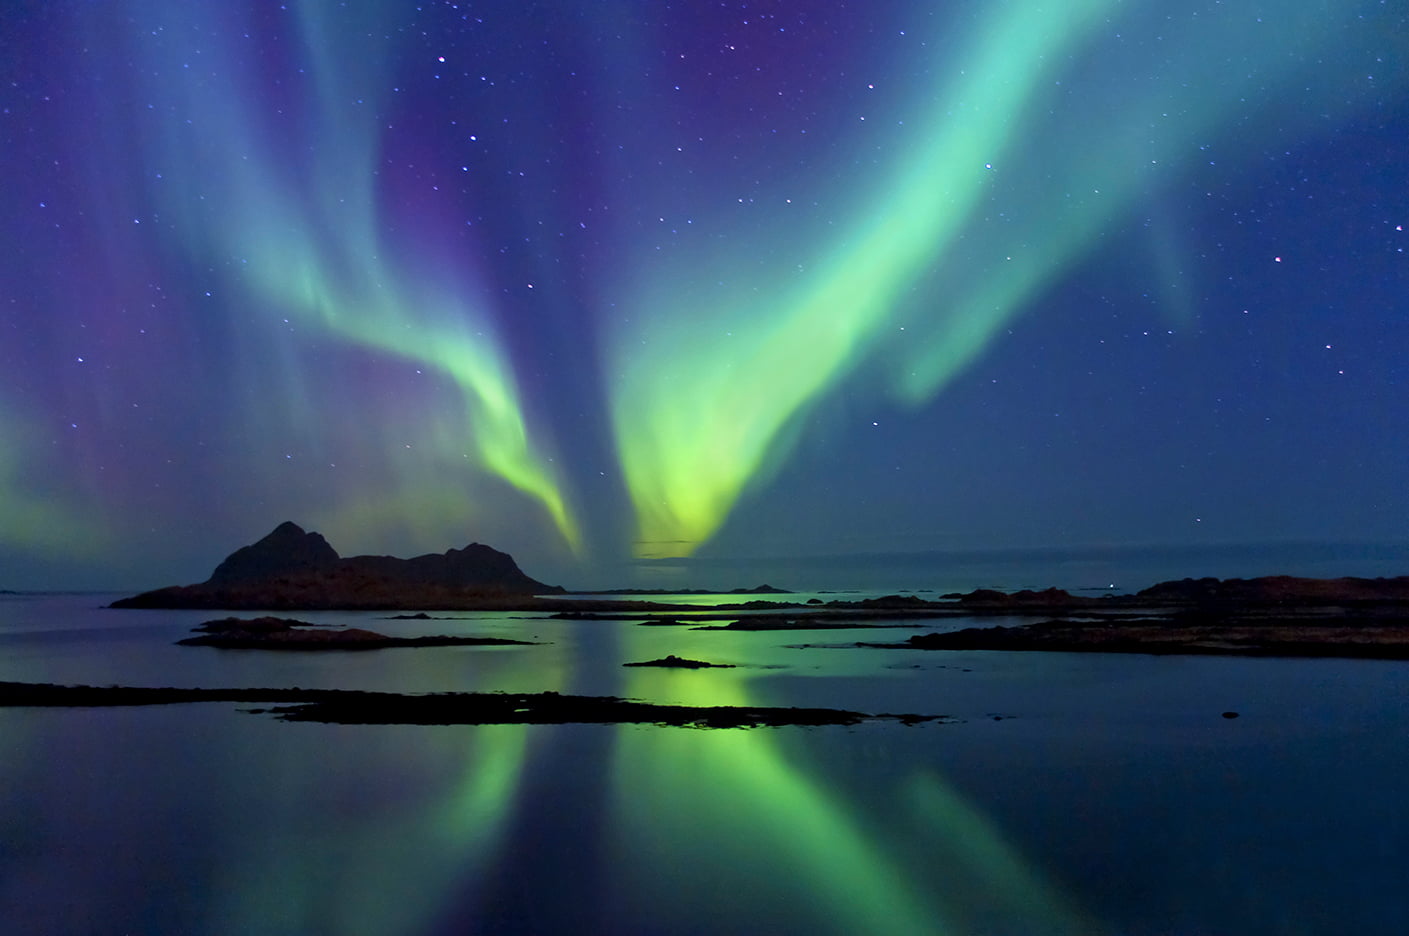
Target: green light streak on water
[
  {"x": 971, "y": 854},
  {"x": 739, "y": 801},
  {"x": 734, "y": 795},
  {"x": 427, "y": 849},
  {"x": 459, "y": 834},
  {"x": 421, "y": 856},
  {"x": 767, "y": 823}
]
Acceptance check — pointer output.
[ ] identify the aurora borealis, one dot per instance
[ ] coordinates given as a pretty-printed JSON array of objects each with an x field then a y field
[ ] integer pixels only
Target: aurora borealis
[{"x": 614, "y": 281}]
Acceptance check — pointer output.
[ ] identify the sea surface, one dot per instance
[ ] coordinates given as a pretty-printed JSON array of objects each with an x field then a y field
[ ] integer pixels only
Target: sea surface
[{"x": 1067, "y": 793}]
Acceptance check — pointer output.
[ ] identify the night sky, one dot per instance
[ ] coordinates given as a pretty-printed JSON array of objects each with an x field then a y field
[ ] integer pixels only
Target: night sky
[{"x": 605, "y": 282}]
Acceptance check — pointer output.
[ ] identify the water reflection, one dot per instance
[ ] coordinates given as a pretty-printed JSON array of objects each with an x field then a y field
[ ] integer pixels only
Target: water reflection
[
  {"x": 741, "y": 822},
  {"x": 200, "y": 819},
  {"x": 418, "y": 846}
]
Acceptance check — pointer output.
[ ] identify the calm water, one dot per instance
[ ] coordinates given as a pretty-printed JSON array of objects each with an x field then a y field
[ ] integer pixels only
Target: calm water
[{"x": 1115, "y": 800}]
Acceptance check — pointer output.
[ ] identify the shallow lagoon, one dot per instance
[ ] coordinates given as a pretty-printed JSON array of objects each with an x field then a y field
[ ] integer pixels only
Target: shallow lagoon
[{"x": 1110, "y": 798}]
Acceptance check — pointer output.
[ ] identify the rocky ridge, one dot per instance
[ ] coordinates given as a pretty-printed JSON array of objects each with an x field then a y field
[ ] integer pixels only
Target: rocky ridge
[{"x": 294, "y": 569}]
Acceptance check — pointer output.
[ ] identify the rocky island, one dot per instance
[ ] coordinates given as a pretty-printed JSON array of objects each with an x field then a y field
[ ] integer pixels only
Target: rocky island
[
  {"x": 1276, "y": 615},
  {"x": 671, "y": 661},
  {"x": 271, "y": 633},
  {"x": 357, "y": 707},
  {"x": 295, "y": 570},
  {"x": 1374, "y": 641},
  {"x": 291, "y": 569}
]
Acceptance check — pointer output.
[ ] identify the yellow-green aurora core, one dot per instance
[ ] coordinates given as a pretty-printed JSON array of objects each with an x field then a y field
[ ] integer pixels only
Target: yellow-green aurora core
[
  {"x": 582, "y": 284},
  {"x": 712, "y": 384}
]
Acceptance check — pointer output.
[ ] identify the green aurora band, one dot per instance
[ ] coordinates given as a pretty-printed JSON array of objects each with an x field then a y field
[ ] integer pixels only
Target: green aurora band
[
  {"x": 699, "y": 418},
  {"x": 311, "y": 240},
  {"x": 34, "y": 517},
  {"x": 1009, "y": 149}
]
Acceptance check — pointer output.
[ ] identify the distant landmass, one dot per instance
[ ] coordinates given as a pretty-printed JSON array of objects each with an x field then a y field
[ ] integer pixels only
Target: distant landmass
[
  {"x": 295, "y": 569},
  {"x": 1275, "y": 615},
  {"x": 1281, "y": 589},
  {"x": 756, "y": 590}
]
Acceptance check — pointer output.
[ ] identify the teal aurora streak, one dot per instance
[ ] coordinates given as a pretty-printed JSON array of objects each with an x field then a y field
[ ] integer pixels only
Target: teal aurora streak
[
  {"x": 434, "y": 271},
  {"x": 1009, "y": 163}
]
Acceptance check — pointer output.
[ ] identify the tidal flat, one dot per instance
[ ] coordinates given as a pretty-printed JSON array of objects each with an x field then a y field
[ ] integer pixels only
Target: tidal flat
[{"x": 1072, "y": 793}]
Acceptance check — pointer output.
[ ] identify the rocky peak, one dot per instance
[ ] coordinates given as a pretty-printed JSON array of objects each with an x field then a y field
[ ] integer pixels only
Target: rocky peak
[{"x": 289, "y": 548}]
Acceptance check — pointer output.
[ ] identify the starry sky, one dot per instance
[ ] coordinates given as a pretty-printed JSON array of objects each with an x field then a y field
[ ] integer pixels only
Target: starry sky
[{"x": 636, "y": 290}]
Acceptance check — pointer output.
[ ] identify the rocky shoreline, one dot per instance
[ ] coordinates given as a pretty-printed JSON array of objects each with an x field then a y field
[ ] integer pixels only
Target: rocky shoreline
[
  {"x": 272, "y": 633},
  {"x": 1270, "y": 638},
  {"x": 291, "y": 569},
  {"x": 671, "y": 661},
  {"x": 352, "y": 707}
]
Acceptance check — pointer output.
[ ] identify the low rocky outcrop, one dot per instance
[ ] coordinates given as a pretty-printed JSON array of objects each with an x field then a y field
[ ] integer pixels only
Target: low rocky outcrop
[
  {"x": 1046, "y": 598},
  {"x": 672, "y": 661},
  {"x": 273, "y": 633},
  {"x": 814, "y": 622},
  {"x": 756, "y": 590},
  {"x": 353, "y": 707},
  {"x": 291, "y": 569},
  {"x": 1279, "y": 589},
  {"x": 1297, "y": 638},
  {"x": 893, "y": 602}
]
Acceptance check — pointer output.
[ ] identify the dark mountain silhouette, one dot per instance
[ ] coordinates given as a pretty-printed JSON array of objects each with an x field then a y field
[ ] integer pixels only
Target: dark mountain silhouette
[
  {"x": 285, "y": 551},
  {"x": 295, "y": 569}
]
